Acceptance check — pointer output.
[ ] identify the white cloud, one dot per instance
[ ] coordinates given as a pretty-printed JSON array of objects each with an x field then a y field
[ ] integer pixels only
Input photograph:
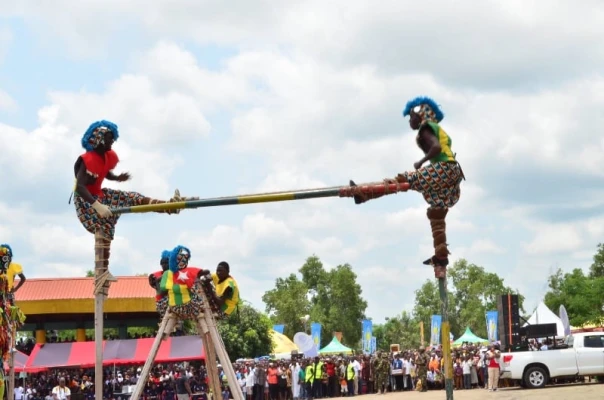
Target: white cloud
[
  {"x": 556, "y": 238},
  {"x": 6, "y": 38}
]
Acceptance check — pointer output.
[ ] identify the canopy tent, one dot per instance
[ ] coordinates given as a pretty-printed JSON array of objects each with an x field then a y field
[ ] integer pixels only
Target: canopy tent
[
  {"x": 130, "y": 351},
  {"x": 335, "y": 347},
  {"x": 20, "y": 362},
  {"x": 468, "y": 337},
  {"x": 282, "y": 345},
  {"x": 544, "y": 315}
]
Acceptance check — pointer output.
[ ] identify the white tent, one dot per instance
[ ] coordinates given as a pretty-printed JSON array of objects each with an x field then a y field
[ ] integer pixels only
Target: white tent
[{"x": 544, "y": 315}]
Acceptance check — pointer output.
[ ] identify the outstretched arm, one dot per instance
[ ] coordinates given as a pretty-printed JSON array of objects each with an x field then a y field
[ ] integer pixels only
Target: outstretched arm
[{"x": 123, "y": 177}]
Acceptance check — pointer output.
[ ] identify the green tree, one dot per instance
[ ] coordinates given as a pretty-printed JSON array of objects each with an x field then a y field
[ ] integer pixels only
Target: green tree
[
  {"x": 403, "y": 330},
  {"x": 581, "y": 295},
  {"x": 471, "y": 292},
  {"x": 331, "y": 298},
  {"x": 90, "y": 274},
  {"x": 597, "y": 268},
  {"x": 247, "y": 333},
  {"x": 287, "y": 303},
  {"x": 475, "y": 293}
]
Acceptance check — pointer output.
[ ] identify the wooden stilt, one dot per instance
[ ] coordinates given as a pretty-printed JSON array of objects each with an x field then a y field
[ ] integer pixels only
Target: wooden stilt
[
  {"x": 212, "y": 370},
  {"x": 142, "y": 381},
  {"x": 102, "y": 280},
  {"x": 11, "y": 363},
  {"x": 221, "y": 352},
  {"x": 446, "y": 340}
]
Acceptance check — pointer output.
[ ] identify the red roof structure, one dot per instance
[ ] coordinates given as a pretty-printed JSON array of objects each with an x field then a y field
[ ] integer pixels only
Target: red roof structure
[{"x": 75, "y": 296}]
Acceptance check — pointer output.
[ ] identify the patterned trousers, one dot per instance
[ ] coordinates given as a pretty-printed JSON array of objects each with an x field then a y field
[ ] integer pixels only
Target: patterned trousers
[{"x": 439, "y": 183}]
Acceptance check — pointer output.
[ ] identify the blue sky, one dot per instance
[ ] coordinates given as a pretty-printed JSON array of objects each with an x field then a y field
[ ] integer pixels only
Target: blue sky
[{"x": 219, "y": 100}]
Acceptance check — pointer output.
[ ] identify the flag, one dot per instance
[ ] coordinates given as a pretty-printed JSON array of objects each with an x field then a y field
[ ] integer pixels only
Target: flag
[
  {"x": 492, "y": 328},
  {"x": 435, "y": 329},
  {"x": 367, "y": 335},
  {"x": 178, "y": 285},
  {"x": 373, "y": 344},
  {"x": 279, "y": 328},
  {"x": 315, "y": 332}
]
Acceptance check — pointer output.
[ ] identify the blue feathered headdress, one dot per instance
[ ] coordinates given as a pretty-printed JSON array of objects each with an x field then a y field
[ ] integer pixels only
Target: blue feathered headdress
[
  {"x": 165, "y": 254},
  {"x": 418, "y": 101},
  {"x": 7, "y": 247},
  {"x": 95, "y": 125},
  {"x": 173, "y": 257}
]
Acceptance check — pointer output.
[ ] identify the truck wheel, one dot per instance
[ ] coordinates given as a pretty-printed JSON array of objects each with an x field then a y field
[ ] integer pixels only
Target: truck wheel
[{"x": 535, "y": 378}]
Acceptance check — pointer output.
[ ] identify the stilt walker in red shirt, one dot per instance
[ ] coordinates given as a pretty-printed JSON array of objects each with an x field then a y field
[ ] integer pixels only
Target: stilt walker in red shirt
[
  {"x": 161, "y": 300},
  {"x": 92, "y": 203}
]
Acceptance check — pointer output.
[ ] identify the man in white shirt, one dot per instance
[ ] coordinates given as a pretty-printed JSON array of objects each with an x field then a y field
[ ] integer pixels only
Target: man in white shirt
[
  {"x": 357, "y": 371},
  {"x": 61, "y": 392},
  {"x": 18, "y": 392}
]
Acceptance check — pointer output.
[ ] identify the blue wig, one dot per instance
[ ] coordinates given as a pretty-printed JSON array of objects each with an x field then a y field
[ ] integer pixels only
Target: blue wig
[
  {"x": 10, "y": 251},
  {"x": 165, "y": 254},
  {"x": 418, "y": 101},
  {"x": 173, "y": 254},
  {"x": 95, "y": 125}
]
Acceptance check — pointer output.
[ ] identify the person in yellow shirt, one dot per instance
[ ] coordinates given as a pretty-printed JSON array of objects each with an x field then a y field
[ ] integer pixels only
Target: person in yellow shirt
[
  {"x": 12, "y": 270},
  {"x": 227, "y": 291}
]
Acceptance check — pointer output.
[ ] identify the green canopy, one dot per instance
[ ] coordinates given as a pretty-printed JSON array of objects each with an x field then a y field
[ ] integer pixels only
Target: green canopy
[
  {"x": 468, "y": 337},
  {"x": 335, "y": 347}
]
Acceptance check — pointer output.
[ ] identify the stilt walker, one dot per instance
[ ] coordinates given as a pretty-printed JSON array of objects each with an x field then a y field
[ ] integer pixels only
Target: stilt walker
[
  {"x": 439, "y": 183},
  {"x": 92, "y": 203},
  {"x": 11, "y": 319}
]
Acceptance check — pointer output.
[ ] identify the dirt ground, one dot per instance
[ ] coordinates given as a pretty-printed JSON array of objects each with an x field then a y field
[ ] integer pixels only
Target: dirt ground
[{"x": 585, "y": 391}]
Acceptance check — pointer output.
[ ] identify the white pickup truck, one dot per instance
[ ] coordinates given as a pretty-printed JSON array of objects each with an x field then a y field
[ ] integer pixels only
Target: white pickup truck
[{"x": 582, "y": 355}]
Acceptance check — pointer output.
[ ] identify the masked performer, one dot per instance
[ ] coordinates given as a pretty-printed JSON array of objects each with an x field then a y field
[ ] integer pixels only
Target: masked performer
[
  {"x": 161, "y": 301},
  {"x": 438, "y": 182},
  {"x": 178, "y": 283},
  {"x": 11, "y": 317},
  {"x": 92, "y": 201},
  {"x": 13, "y": 270}
]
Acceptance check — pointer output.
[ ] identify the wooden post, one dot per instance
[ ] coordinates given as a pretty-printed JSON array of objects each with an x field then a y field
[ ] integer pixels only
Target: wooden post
[
  {"x": 421, "y": 333},
  {"x": 446, "y": 341},
  {"x": 142, "y": 381},
  {"x": 209, "y": 348},
  {"x": 11, "y": 362},
  {"x": 102, "y": 280}
]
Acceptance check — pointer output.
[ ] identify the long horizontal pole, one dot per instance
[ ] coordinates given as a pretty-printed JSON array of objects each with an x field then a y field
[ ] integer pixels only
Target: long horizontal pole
[{"x": 370, "y": 189}]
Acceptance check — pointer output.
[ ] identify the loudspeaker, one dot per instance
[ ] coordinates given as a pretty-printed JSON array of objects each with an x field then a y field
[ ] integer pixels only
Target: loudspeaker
[
  {"x": 539, "y": 331},
  {"x": 508, "y": 308}
]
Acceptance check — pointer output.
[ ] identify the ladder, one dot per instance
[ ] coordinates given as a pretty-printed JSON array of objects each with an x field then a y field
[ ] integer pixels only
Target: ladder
[{"x": 212, "y": 344}]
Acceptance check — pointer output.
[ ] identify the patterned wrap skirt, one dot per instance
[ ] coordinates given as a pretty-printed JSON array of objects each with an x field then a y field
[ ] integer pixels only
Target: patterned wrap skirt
[
  {"x": 161, "y": 306},
  {"x": 439, "y": 183},
  {"x": 113, "y": 199}
]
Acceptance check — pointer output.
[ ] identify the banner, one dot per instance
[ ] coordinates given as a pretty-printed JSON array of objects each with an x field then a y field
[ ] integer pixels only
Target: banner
[
  {"x": 373, "y": 345},
  {"x": 367, "y": 335},
  {"x": 279, "y": 328},
  {"x": 435, "y": 329},
  {"x": 492, "y": 331},
  {"x": 315, "y": 332}
]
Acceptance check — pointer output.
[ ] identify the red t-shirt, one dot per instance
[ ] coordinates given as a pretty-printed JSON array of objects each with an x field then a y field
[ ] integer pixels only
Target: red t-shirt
[
  {"x": 493, "y": 362},
  {"x": 158, "y": 276},
  {"x": 99, "y": 166},
  {"x": 330, "y": 369}
]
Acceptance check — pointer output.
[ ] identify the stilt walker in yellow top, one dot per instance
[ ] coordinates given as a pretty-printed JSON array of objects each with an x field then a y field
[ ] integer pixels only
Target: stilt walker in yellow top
[{"x": 438, "y": 182}]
